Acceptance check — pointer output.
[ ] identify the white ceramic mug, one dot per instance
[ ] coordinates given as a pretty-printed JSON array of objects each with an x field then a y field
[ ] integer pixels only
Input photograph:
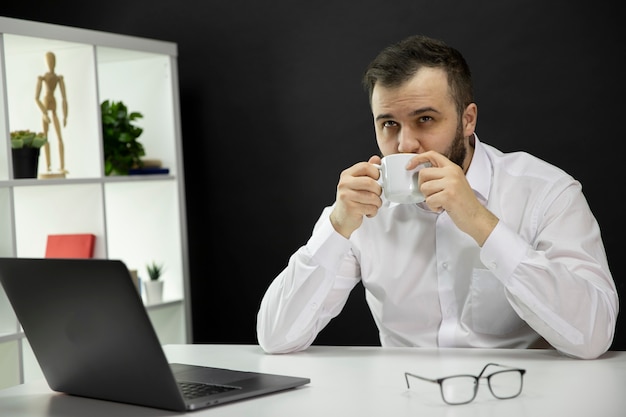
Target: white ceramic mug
[{"x": 400, "y": 185}]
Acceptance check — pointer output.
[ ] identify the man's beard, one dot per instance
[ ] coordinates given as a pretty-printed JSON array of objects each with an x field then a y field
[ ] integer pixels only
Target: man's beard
[{"x": 457, "y": 151}]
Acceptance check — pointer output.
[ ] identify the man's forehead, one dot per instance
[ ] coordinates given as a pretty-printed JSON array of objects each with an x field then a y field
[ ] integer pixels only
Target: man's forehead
[{"x": 426, "y": 88}]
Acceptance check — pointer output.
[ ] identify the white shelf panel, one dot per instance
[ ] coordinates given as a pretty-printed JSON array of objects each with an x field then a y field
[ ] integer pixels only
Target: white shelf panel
[
  {"x": 144, "y": 83},
  {"x": 25, "y": 62},
  {"x": 6, "y": 223},
  {"x": 146, "y": 212},
  {"x": 54, "y": 209},
  {"x": 9, "y": 367}
]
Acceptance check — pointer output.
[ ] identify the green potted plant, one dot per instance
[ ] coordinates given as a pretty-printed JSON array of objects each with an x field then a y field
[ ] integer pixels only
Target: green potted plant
[
  {"x": 122, "y": 150},
  {"x": 154, "y": 286},
  {"x": 25, "y": 149},
  {"x": 154, "y": 270}
]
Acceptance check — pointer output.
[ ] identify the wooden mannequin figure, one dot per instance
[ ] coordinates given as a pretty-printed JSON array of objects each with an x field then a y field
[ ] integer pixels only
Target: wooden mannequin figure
[{"x": 48, "y": 107}]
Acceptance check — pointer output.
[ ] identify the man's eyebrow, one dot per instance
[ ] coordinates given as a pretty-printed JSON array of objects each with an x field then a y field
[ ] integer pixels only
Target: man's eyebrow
[
  {"x": 415, "y": 112},
  {"x": 423, "y": 110}
]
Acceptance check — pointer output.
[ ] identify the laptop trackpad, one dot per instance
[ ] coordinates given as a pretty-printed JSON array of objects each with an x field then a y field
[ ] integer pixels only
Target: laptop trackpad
[{"x": 195, "y": 373}]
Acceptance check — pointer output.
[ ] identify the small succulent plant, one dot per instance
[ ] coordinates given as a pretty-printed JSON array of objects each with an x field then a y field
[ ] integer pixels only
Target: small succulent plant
[
  {"x": 154, "y": 270},
  {"x": 27, "y": 139}
]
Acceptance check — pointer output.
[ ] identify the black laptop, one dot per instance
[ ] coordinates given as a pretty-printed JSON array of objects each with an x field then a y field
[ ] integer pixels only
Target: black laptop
[{"x": 92, "y": 337}]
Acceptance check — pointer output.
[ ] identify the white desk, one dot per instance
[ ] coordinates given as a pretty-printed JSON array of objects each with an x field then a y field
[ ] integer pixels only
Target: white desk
[{"x": 369, "y": 381}]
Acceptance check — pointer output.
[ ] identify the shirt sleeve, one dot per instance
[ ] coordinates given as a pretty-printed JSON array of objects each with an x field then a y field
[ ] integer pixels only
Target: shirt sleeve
[
  {"x": 309, "y": 292},
  {"x": 558, "y": 280}
]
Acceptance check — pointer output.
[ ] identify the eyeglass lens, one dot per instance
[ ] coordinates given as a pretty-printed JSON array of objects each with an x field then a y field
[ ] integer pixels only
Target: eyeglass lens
[
  {"x": 463, "y": 388},
  {"x": 459, "y": 389},
  {"x": 505, "y": 384}
]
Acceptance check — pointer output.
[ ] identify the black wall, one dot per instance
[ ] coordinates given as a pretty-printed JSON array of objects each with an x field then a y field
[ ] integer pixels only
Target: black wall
[{"x": 271, "y": 95}]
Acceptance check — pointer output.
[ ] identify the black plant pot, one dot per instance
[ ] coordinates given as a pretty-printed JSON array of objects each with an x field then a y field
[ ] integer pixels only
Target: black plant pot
[{"x": 25, "y": 162}]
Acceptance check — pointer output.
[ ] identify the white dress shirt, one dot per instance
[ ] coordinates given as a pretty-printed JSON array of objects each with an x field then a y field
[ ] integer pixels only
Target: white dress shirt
[{"x": 542, "y": 272}]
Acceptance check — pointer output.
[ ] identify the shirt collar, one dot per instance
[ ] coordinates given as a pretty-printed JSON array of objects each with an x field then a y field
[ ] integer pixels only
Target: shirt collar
[{"x": 480, "y": 171}]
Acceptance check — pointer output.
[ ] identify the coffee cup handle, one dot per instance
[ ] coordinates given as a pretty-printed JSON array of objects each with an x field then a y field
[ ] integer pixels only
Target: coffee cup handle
[
  {"x": 426, "y": 164},
  {"x": 380, "y": 174}
]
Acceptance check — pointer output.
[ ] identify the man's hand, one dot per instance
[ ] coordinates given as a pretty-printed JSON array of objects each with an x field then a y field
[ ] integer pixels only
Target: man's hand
[
  {"x": 358, "y": 195},
  {"x": 446, "y": 188}
]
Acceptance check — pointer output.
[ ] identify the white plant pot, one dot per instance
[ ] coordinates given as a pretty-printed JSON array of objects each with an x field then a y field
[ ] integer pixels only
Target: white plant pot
[{"x": 154, "y": 291}]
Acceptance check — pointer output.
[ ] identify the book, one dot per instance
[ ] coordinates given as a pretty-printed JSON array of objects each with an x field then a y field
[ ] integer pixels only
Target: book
[
  {"x": 151, "y": 163},
  {"x": 148, "y": 171},
  {"x": 76, "y": 245}
]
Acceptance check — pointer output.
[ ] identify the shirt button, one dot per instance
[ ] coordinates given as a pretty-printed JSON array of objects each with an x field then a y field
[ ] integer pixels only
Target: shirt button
[
  {"x": 314, "y": 306},
  {"x": 493, "y": 265},
  {"x": 444, "y": 265}
]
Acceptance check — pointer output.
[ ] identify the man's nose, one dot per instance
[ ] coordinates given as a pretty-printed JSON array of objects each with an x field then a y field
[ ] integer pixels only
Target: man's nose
[{"x": 408, "y": 141}]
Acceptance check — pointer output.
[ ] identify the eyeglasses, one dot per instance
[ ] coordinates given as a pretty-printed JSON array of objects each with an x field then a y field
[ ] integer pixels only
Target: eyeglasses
[{"x": 462, "y": 389}]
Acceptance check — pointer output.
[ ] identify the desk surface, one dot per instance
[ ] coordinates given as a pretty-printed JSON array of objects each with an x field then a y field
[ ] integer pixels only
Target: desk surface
[{"x": 369, "y": 381}]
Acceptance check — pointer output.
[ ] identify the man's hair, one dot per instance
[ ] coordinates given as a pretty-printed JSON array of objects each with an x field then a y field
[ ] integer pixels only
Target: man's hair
[{"x": 397, "y": 63}]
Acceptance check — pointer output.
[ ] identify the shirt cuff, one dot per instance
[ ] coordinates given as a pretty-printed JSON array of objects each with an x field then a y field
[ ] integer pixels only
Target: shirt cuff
[
  {"x": 503, "y": 251},
  {"x": 326, "y": 246}
]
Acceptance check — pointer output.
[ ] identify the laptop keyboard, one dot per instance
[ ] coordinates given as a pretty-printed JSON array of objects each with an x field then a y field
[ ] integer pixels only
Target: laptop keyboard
[{"x": 192, "y": 390}]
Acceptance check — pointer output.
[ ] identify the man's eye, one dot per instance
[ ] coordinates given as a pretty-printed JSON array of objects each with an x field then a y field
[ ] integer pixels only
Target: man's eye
[
  {"x": 425, "y": 119},
  {"x": 389, "y": 123}
]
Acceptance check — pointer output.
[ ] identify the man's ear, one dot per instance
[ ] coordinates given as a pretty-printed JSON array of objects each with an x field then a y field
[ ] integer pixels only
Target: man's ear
[{"x": 470, "y": 116}]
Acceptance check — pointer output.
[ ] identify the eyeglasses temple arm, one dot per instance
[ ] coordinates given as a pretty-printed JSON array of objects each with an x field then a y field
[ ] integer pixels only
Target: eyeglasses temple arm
[
  {"x": 408, "y": 374},
  {"x": 502, "y": 366}
]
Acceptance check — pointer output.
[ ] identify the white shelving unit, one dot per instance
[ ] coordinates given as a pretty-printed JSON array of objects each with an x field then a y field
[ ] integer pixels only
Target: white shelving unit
[{"x": 136, "y": 218}]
